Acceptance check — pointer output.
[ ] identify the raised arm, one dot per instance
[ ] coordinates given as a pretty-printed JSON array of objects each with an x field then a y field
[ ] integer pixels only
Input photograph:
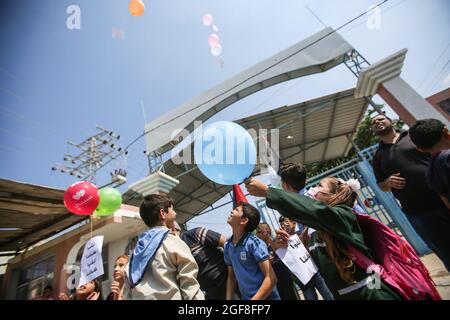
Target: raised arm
[{"x": 338, "y": 221}]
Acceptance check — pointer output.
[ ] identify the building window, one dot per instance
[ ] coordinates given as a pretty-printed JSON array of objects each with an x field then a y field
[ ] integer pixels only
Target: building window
[
  {"x": 33, "y": 279},
  {"x": 445, "y": 105}
]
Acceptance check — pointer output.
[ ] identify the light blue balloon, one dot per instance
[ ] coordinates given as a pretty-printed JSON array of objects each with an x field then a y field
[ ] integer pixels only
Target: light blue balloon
[{"x": 225, "y": 152}]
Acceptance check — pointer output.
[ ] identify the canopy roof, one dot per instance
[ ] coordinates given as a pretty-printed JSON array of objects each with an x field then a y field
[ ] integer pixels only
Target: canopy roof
[
  {"x": 30, "y": 213},
  {"x": 313, "y": 131}
]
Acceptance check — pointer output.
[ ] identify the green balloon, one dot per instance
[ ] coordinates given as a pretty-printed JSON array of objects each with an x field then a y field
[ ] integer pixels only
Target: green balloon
[{"x": 110, "y": 201}]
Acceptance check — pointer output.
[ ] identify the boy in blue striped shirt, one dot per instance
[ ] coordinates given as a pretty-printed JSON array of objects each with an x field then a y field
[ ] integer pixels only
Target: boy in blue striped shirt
[{"x": 247, "y": 258}]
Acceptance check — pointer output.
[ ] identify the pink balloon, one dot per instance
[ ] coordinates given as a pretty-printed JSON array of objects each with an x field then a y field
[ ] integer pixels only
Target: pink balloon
[
  {"x": 207, "y": 19},
  {"x": 213, "y": 40}
]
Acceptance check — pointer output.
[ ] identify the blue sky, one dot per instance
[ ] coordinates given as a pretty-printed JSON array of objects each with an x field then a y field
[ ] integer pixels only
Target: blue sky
[{"x": 57, "y": 84}]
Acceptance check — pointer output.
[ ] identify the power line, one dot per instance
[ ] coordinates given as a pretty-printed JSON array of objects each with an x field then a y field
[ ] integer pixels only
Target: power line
[
  {"x": 312, "y": 12},
  {"x": 24, "y": 119},
  {"x": 17, "y": 135},
  {"x": 262, "y": 71},
  {"x": 274, "y": 95},
  {"x": 22, "y": 152},
  {"x": 134, "y": 171},
  {"x": 137, "y": 157},
  {"x": 133, "y": 161},
  {"x": 384, "y": 12},
  {"x": 434, "y": 65},
  {"x": 437, "y": 77}
]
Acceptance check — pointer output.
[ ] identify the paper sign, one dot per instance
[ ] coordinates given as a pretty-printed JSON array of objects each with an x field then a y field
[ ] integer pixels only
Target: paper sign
[
  {"x": 297, "y": 259},
  {"x": 91, "y": 261}
]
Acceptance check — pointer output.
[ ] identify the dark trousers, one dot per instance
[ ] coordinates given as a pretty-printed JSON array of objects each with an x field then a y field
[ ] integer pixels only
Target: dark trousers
[
  {"x": 285, "y": 283},
  {"x": 316, "y": 282},
  {"x": 216, "y": 293},
  {"x": 433, "y": 226}
]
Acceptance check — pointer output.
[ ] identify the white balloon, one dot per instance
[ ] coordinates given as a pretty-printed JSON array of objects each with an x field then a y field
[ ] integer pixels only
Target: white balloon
[
  {"x": 216, "y": 50},
  {"x": 207, "y": 19}
]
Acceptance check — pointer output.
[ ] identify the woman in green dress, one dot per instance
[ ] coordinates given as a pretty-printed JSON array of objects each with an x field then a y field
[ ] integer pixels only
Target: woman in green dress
[{"x": 332, "y": 226}]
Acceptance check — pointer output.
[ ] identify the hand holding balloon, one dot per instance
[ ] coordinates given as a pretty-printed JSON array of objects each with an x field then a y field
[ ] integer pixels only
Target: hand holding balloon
[{"x": 256, "y": 188}]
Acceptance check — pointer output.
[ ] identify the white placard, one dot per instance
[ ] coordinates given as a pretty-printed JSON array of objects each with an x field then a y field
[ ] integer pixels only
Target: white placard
[
  {"x": 91, "y": 261},
  {"x": 297, "y": 259}
]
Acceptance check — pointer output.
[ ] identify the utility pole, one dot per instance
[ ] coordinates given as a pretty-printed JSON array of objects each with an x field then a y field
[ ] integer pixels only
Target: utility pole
[{"x": 93, "y": 153}]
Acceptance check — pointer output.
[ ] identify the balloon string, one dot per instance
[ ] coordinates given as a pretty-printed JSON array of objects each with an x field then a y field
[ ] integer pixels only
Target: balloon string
[{"x": 90, "y": 218}]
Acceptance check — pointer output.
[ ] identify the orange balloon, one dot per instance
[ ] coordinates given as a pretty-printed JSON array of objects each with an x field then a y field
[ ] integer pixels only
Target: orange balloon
[{"x": 136, "y": 7}]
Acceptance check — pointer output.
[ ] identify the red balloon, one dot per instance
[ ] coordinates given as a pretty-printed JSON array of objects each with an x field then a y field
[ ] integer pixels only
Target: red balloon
[{"x": 81, "y": 198}]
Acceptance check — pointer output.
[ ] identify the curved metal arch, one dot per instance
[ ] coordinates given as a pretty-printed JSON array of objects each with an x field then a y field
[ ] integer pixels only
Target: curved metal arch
[{"x": 318, "y": 53}]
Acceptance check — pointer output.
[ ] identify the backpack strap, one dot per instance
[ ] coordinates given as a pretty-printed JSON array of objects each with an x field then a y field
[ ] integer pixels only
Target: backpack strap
[{"x": 366, "y": 263}]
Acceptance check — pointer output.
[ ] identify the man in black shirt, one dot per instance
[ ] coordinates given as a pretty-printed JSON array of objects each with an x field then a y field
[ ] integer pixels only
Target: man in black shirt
[
  {"x": 433, "y": 136},
  {"x": 400, "y": 168},
  {"x": 206, "y": 247}
]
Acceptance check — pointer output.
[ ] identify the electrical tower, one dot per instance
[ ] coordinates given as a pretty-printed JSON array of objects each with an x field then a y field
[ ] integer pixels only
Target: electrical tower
[{"x": 93, "y": 153}]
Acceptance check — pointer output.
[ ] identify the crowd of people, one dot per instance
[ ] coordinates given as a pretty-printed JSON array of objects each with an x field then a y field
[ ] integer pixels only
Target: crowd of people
[
  {"x": 415, "y": 166},
  {"x": 198, "y": 264}
]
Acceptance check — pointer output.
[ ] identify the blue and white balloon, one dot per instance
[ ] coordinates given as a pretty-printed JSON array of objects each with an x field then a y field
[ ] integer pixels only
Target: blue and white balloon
[{"x": 225, "y": 153}]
